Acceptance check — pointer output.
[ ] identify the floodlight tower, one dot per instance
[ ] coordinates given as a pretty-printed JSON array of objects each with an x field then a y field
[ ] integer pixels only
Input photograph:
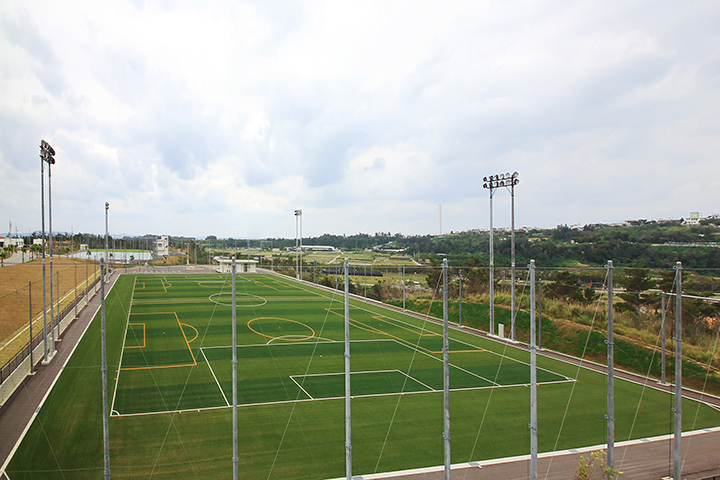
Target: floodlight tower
[
  {"x": 298, "y": 242},
  {"x": 492, "y": 183},
  {"x": 47, "y": 154}
]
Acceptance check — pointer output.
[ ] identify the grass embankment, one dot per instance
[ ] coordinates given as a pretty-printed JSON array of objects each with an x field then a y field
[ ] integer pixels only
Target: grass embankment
[
  {"x": 580, "y": 331},
  {"x": 15, "y": 296}
]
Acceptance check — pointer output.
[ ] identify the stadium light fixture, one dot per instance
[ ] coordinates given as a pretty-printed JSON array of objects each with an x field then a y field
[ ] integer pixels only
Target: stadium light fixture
[{"x": 493, "y": 182}]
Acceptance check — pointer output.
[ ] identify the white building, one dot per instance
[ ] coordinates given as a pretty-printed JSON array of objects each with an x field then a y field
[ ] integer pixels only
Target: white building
[
  {"x": 693, "y": 219},
  {"x": 241, "y": 266},
  {"x": 12, "y": 242},
  {"x": 162, "y": 246}
]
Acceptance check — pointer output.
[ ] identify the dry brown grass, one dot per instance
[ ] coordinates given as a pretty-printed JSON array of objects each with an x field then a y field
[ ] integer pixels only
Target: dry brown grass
[{"x": 14, "y": 303}]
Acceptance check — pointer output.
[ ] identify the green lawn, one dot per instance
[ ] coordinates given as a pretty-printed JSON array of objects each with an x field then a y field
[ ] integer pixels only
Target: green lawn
[{"x": 170, "y": 384}]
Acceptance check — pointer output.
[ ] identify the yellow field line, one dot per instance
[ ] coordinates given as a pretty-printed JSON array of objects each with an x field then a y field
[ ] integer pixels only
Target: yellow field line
[
  {"x": 169, "y": 301},
  {"x": 371, "y": 329},
  {"x": 162, "y": 282},
  {"x": 417, "y": 330},
  {"x": 264, "y": 285},
  {"x": 186, "y": 340},
  {"x": 143, "y": 345},
  {"x": 196, "y": 331},
  {"x": 184, "y": 336},
  {"x": 159, "y": 366}
]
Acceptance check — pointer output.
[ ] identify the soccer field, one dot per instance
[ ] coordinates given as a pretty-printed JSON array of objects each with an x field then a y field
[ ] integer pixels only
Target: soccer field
[
  {"x": 170, "y": 382},
  {"x": 291, "y": 348}
]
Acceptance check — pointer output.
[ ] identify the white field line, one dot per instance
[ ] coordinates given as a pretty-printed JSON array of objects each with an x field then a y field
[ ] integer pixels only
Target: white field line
[
  {"x": 122, "y": 350},
  {"x": 423, "y": 330},
  {"x": 213, "y": 374},
  {"x": 301, "y": 388}
]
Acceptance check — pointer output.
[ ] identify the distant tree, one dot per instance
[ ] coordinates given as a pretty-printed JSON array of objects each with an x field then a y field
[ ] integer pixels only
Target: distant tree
[
  {"x": 566, "y": 287},
  {"x": 475, "y": 275},
  {"x": 636, "y": 282}
]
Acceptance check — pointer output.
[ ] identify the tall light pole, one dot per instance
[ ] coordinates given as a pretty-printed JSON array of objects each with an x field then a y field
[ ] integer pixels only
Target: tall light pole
[
  {"x": 46, "y": 155},
  {"x": 298, "y": 242},
  {"x": 492, "y": 183},
  {"x": 107, "y": 207},
  {"x": 52, "y": 314}
]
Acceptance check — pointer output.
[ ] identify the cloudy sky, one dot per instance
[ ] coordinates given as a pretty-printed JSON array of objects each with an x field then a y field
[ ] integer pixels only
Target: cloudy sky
[{"x": 222, "y": 118}]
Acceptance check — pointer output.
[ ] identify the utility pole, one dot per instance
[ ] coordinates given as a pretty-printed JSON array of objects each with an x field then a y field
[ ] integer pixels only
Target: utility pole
[
  {"x": 533, "y": 381},
  {"x": 234, "y": 377},
  {"x": 446, "y": 371},
  {"x": 107, "y": 255},
  {"x": 348, "y": 397},
  {"x": 677, "y": 441},
  {"x": 106, "y": 433},
  {"x": 298, "y": 242},
  {"x": 611, "y": 373}
]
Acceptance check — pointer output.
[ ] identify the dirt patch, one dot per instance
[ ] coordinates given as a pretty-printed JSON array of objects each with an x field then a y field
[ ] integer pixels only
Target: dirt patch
[{"x": 14, "y": 292}]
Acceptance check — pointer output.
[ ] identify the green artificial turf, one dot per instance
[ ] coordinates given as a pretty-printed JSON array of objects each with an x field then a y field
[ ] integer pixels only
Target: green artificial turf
[{"x": 170, "y": 384}]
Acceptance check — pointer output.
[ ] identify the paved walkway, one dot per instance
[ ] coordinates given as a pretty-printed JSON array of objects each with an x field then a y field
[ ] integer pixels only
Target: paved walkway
[
  {"x": 649, "y": 459},
  {"x": 18, "y": 412}
]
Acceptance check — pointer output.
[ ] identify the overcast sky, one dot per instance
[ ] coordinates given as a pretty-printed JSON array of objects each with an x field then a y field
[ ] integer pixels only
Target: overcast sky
[{"x": 222, "y": 118}]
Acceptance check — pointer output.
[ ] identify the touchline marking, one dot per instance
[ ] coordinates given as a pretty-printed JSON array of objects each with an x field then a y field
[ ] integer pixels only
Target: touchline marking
[{"x": 213, "y": 374}]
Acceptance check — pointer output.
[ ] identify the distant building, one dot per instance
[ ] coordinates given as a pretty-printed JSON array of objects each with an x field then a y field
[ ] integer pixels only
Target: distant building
[
  {"x": 84, "y": 247},
  {"x": 693, "y": 219},
  {"x": 241, "y": 266},
  {"x": 313, "y": 248},
  {"x": 12, "y": 242},
  {"x": 162, "y": 246}
]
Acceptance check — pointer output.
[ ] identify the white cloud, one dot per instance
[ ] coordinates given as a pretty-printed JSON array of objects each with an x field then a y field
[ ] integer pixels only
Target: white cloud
[{"x": 224, "y": 117}]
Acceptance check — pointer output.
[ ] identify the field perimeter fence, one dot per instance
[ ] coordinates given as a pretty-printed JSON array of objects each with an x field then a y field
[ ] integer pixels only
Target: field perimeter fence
[{"x": 19, "y": 358}]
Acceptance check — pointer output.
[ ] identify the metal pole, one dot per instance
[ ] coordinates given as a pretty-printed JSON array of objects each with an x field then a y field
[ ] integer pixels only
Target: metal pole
[
  {"x": 46, "y": 357},
  {"x": 492, "y": 269},
  {"x": 32, "y": 363},
  {"x": 75, "y": 289},
  {"x": 106, "y": 433},
  {"x": 533, "y": 381},
  {"x": 234, "y": 377},
  {"x": 57, "y": 288},
  {"x": 512, "y": 260},
  {"x": 52, "y": 314},
  {"x": 677, "y": 444},
  {"x": 610, "y": 416},
  {"x": 446, "y": 371},
  {"x": 348, "y": 417},
  {"x": 539, "y": 322},
  {"x": 460, "y": 299},
  {"x": 403, "y": 288},
  {"x": 662, "y": 338},
  {"x": 107, "y": 258}
]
